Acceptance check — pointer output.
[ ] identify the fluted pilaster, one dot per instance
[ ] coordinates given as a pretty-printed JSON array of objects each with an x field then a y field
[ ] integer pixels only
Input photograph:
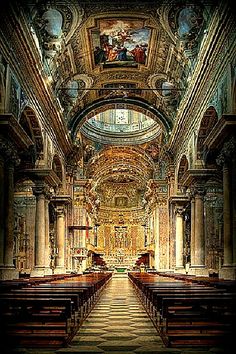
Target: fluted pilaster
[
  {"x": 179, "y": 241},
  {"x": 199, "y": 240},
  {"x": 60, "y": 227},
  {"x": 40, "y": 191}
]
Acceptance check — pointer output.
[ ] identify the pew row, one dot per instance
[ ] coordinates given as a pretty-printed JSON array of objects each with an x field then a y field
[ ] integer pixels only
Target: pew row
[
  {"x": 187, "y": 314},
  {"x": 48, "y": 314}
]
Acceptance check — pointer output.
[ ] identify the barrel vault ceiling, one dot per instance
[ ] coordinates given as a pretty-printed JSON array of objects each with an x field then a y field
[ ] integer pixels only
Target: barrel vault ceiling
[{"x": 132, "y": 58}]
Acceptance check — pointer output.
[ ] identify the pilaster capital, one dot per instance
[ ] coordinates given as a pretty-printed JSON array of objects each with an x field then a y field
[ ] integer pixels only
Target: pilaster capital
[
  {"x": 41, "y": 188},
  {"x": 199, "y": 191},
  {"x": 72, "y": 159},
  {"x": 9, "y": 152},
  {"x": 179, "y": 211},
  {"x": 60, "y": 211},
  {"x": 60, "y": 203},
  {"x": 171, "y": 173},
  {"x": 192, "y": 194},
  {"x": 162, "y": 202},
  {"x": 227, "y": 152}
]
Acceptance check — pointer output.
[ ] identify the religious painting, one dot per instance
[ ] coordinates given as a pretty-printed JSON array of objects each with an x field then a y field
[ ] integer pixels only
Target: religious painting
[
  {"x": 121, "y": 202},
  {"x": 120, "y": 43}
]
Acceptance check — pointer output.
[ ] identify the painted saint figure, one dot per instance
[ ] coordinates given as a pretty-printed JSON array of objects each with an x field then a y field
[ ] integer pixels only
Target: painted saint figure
[
  {"x": 99, "y": 55},
  {"x": 139, "y": 54}
]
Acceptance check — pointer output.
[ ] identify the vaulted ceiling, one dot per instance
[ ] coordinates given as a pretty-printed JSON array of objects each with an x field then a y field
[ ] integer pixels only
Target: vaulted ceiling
[{"x": 135, "y": 57}]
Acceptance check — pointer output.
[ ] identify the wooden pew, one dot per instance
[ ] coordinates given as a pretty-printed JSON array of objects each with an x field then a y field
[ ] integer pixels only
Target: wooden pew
[
  {"x": 187, "y": 313},
  {"x": 37, "y": 313},
  {"x": 155, "y": 293},
  {"x": 212, "y": 319},
  {"x": 17, "y": 314}
]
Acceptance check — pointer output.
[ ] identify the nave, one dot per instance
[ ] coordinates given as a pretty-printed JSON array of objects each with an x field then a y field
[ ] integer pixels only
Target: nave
[{"x": 118, "y": 323}]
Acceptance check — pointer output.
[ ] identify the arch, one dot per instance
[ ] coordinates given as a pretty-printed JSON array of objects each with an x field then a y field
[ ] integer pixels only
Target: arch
[
  {"x": 183, "y": 167},
  {"x": 131, "y": 103},
  {"x": 30, "y": 123},
  {"x": 57, "y": 167},
  {"x": 208, "y": 121}
]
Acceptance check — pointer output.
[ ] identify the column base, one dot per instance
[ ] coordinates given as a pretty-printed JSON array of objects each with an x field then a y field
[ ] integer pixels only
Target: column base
[
  {"x": 37, "y": 272},
  {"x": 228, "y": 272},
  {"x": 47, "y": 271},
  {"x": 59, "y": 270},
  {"x": 8, "y": 273},
  {"x": 180, "y": 270},
  {"x": 200, "y": 270}
]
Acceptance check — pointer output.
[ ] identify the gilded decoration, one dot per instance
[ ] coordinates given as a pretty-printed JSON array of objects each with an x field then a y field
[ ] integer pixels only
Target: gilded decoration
[{"x": 120, "y": 94}]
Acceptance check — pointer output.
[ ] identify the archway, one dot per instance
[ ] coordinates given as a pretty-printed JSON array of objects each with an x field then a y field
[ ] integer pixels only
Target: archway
[{"x": 128, "y": 103}]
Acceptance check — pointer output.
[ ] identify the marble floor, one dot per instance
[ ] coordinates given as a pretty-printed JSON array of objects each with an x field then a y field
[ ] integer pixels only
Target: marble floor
[{"x": 119, "y": 324}]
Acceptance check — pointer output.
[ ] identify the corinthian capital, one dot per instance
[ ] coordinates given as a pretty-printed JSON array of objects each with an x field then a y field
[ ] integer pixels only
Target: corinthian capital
[
  {"x": 199, "y": 190},
  {"x": 227, "y": 152},
  {"x": 179, "y": 211},
  {"x": 60, "y": 211},
  {"x": 8, "y": 150},
  {"x": 40, "y": 188}
]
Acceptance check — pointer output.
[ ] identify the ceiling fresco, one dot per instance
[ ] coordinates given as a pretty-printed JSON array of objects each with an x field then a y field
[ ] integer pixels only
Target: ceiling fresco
[
  {"x": 122, "y": 42},
  {"x": 110, "y": 64}
]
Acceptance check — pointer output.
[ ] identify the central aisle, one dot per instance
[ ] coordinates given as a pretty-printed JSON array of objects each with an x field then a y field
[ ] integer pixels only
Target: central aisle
[{"x": 118, "y": 323}]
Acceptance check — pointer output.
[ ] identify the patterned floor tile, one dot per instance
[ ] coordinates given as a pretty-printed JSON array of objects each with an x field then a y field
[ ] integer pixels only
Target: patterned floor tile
[
  {"x": 116, "y": 345},
  {"x": 118, "y": 324},
  {"x": 81, "y": 350},
  {"x": 120, "y": 336},
  {"x": 93, "y": 332}
]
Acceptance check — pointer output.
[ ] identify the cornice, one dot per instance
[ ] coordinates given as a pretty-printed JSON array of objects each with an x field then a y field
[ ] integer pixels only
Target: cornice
[
  {"x": 11, "y": 129},
  {"x": 46, "y": 175},
  {"x": 179, "y": 200},
  {"x": 212, "y": 62},
  {"x": 194, "y": 176},
  {"x": 61, "y": 200},
  {"x": 226, "y": 126},
  {"x": 27, "y": 67}
]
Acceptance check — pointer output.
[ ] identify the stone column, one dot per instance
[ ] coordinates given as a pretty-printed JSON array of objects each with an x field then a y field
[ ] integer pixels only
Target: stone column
[
  {"x": 226, "y": 159},
  {"x": 48, "y": 270},
  {"x": 179, "y": 239},
  {"x": 60, "y": 227},
  {"x": 84, "y": 242},
  {"x": 9, "y": 215},
  {"x": 9, "y": 159},
  {"x": 199, "y": 241},
  {"x": 233, "y": 188},
  {"x": 39, "y": 268},
  {"x": 228, "y": 251},
  {"x": 157, "y": 238},
  {"x": 2, "y": 212},
  {"x": 192, "y": 240}
]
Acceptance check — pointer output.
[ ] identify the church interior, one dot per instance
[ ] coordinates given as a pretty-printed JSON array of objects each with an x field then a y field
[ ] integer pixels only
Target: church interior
[{"x": 117, "y": 176}]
